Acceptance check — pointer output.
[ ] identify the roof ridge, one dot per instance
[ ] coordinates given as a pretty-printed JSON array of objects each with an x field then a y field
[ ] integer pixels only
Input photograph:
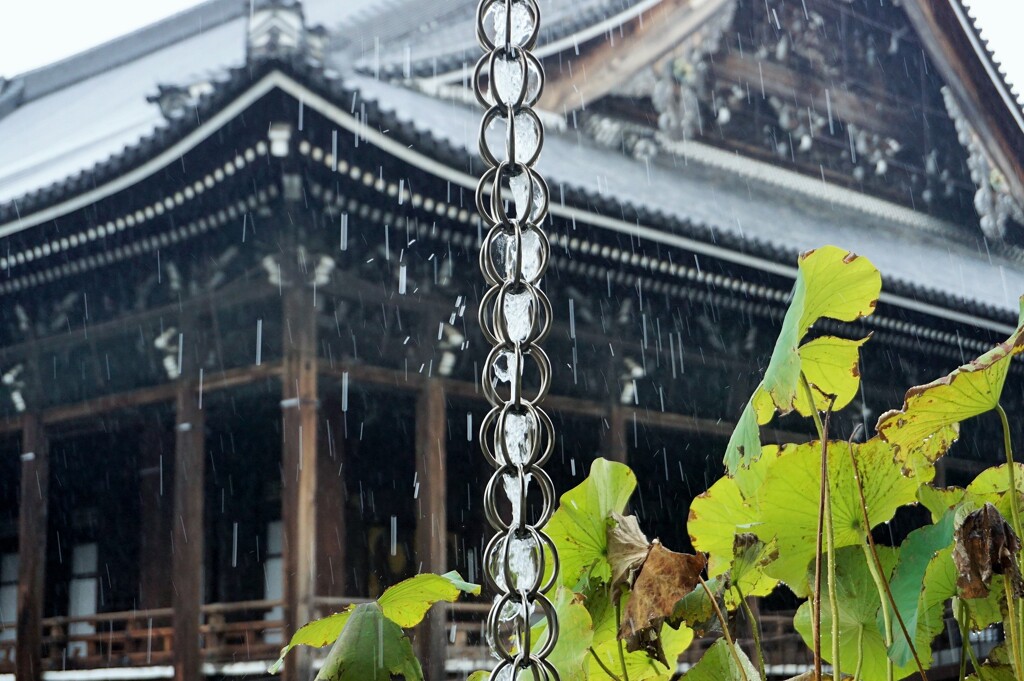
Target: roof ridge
[
  {"x": 1016, "y": 95},
  {"x": 126, "y": 48}
]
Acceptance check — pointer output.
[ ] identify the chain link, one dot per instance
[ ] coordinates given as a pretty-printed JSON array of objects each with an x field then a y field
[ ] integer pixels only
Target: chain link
[{"x": 517, "y": 436}]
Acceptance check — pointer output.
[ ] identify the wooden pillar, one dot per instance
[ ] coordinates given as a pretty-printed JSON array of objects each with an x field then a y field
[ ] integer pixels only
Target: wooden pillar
[
  {"x": 332, "y": 570},
  {"x": 187, "y": 534},
  {"x": 432, "y": 519},
  {"x": 156, "y": 475},
  {"x": 299, "y": 452},
  {"x": 614, "y": 446},
  {"x": 32, "y": 531}
]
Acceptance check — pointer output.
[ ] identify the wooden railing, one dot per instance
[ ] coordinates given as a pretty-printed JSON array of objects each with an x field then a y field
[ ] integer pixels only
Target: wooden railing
[
  {"x": 115, "y": 639},
  {"x": 231, "y": 632},
  {"x": 242, "y": 631}
]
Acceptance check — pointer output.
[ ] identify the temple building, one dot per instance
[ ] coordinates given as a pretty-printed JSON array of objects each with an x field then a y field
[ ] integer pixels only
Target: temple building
[{"x": 239, "y": 352}]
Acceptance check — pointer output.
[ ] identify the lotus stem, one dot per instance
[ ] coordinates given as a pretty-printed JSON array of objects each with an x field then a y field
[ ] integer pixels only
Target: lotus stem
[
  {"x": 887, "y": 598},
  {"x": 1011, "y": 617},
  {"x": 965, "y": 639},
  {"x": 755, "y": 630},
  {"x": 1015, "y": 517},
  {"x": 1008, "y": 447},
  {"x": 824, "y": 518},
  {"x": 830, "y": 545},
  {"x": 725, "y": 629},
  {"x": 879, "y": 579}
]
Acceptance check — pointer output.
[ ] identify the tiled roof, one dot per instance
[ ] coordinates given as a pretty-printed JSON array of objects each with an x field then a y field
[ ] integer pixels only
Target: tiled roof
[
  {"x": 417, "y": 38},
  {"x": 702, "y": 204},
  {"x": 714, "y": 206}
]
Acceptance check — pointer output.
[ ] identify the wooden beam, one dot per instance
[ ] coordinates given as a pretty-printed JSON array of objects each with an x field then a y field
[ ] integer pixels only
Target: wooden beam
[
  {"x": 432, "y": 517},
  {"x": 608, "y": 63},
  {"x": 32, "y": 534},
  {"x": 807, "y": 90},
  {"x": 299, "y": 454},
  {"x": 156, "y": 394},
  {"x": 393, "y": 378}
]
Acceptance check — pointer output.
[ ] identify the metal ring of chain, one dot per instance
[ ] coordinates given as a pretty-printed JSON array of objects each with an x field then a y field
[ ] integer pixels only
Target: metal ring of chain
[{"x": 516, "y": 436}]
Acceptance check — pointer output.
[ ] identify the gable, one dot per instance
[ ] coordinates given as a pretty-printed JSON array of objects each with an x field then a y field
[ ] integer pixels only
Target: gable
[{"x": 861, "y": 94}]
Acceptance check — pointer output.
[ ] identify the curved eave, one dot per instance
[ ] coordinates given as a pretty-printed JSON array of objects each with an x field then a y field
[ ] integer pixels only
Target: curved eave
[
  {"x": 150, "y": 157},
  {"x": 564, "y": 37},
  {"x": 954, "y": 44},
  {"x": 988, "y": 57}
]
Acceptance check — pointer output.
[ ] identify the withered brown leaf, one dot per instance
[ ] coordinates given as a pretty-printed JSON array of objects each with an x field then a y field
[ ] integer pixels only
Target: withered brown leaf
[
  {"x": 985, "y": 545},
  {"x": 627, "y": 548},
  {"x": 665, "y": 578}
]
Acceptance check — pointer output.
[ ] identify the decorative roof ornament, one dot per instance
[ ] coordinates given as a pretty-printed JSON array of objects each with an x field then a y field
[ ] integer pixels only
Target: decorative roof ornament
[
  {"x": 678, "y": 83},
  {"x": 997, "y": 206},
  {"x": 176, "y": 101},
  {"x": 277, "y": 29}
]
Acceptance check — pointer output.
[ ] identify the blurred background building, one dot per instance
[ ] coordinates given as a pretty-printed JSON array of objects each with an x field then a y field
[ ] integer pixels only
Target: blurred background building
[{"x": 238, "y": 291}]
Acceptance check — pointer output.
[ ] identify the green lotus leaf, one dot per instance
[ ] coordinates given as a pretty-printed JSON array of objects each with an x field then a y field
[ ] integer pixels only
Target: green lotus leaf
[
  {"x": 992, "y": 486},
  {"x": 697, "y": 610},
  {"x": 939, "y": 500},
  {"x": 602, "y": 613},
  {"x": 832, "y": 367},
  {"x": 859, "y": 637},
  {"x": 789, "y": 506},
  {"x": 939, "y": 585},
  {"x": 606, "y": 645},
  {"x": 576, "y": 635},
  {"x": 751, "y": 478},
  {"x": 579, "y": 526},
  {"x": 713, "y": 522},
  {"x": 639, "y": 665},
  {"x": 407, "y": 602},
  {"x": 745, "y": 442},
  {"x": 931, "y": 410},
  {"x": 984, "y": 612},
  {"x": 730, "y": 507},
  {"x": 371, "y": 648},
  {"x": 831, "y": 282},
  {"x": 908, "y": 581},
  {"x": 719, "y": 664},
  {"x": 317, "y": 634},
  {"x": 747, "y": 574}
]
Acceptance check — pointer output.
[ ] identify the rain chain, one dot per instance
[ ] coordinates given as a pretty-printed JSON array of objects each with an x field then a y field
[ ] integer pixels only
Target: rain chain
[{"x": 517, "y": 436}]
